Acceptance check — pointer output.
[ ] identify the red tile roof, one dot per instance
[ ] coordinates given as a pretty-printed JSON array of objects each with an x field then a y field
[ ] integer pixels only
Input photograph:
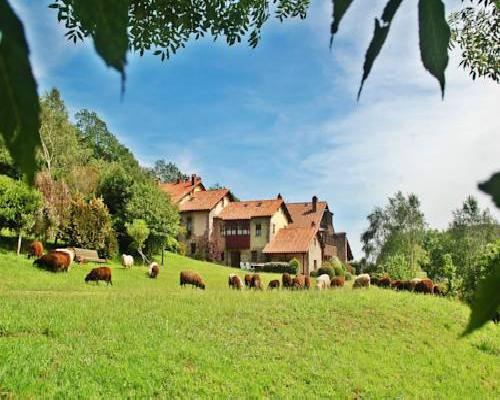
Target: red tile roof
[
  {"x": 291, "y": 240},
  {"x": 303, "y": 214},
  {"x": 203, "y": 200},
  {"x": 251, "y": 209},
  {"x": 178, "y": 190}
]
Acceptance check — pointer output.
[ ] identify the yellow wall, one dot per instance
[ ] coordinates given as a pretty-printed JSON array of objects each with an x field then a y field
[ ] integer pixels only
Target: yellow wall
[
  {"x": 314, "y": 254},
  {"x": 258, "y": 242},
  {"x": 279, "y": 221}
]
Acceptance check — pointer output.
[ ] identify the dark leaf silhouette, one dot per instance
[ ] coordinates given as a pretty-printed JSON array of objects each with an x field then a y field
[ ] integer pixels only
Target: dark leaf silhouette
[
  {"x": 379, "y": 35},
  {"x": 19, "y": 106},
  {"x": 434, "y": 34},
  {"x": 339, "y": 9},
  {"x": 492, "y": 187},
  {"x": 487, "y": 300}
]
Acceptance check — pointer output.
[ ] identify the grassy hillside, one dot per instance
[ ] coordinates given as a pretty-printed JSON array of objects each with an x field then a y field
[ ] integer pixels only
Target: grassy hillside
[{"x": 144, "y": 338}]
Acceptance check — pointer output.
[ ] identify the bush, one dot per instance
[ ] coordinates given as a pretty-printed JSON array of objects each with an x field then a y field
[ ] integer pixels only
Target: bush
[
  {"x": 353, "y": 270},
  {"x": 348, "y": 276},
  {"x": 339, "y": 271},
  {"x": 326, "y": 269},
  {"x": 181, "y": 249},
  {"x": 313, "y": 274},
  {"x": 276, "y": 267},
  {"x": 294, "y": 263}
]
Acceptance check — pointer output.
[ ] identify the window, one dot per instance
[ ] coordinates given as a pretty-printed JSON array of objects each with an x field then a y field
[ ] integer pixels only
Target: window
[
  {"x": 254, "y": 256},
  {"x": 193, "y": 249},
  {"x": 274, "y": 229},
  {"x": 189, "y": 227},
  {"x": 258, "y": 230},
  {"x": 222, "y": 231},
  {"x": 315, "y": 265},
  {"x": 222, "y": 256}
]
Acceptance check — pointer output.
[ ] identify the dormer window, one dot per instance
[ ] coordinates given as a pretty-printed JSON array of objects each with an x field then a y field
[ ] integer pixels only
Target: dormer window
[{"x": 258, "y": 230}]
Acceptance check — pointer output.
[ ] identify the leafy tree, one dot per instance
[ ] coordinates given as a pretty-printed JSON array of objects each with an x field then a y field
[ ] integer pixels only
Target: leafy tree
[
  {"x": 471, "y": 230},
  {"x": 398, "y": 228},
  {"x": 396, "y": 266},
  {"x": 19, "y": 205},
  {"x": 55, "y": 213},
  {"x": 450, "y": 273},
  {"x": 476, "y": 31},
  {"x": 90, "y": 226},
  {"x": 94, "y": 133},
  {"x": 149, "y": 203},
  {"x": 167, "y": 171},
  {"x": 60, "y": 151},
  {"x": 138, "y": 230}
]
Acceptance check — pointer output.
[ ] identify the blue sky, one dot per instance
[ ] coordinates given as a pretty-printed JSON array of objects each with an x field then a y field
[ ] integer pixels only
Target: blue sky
[{"x": 284, "y": 117}]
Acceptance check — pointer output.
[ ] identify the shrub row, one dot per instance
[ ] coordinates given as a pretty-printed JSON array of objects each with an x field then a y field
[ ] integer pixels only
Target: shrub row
[{"x": 277, "y": 267}]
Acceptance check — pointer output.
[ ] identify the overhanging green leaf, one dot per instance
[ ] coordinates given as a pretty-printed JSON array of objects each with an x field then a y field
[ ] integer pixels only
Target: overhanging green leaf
[
  {"x": 107, "y": 22},
  {"x": 339, "y": 9},
  {"x": 492, "y": 187},
  {"x": 487, "y": 300},
  {"x": 434, "y": 34},
  {"x": 19, "y": 106},
  {"x": 379, "y": 35}
]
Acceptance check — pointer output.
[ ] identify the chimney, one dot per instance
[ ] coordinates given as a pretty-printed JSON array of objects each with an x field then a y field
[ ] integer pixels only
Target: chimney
[
  {"x": 178, "y": 181},
  {"x": 279, "y": 197},
  {"x": 193, "y": 179},
  {"x": 314, "y": 203},
  {"x": 313, "y": 224}
]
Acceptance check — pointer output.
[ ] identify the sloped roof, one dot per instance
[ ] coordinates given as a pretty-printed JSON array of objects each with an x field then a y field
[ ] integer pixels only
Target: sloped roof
[
  {"x": 303, "y": 214},
  {"x": 291, "y": 240},
  {"x": 178, "y": 190},
  {"x": 252, "y": 209},
  {"x": 203, "y": 200}
]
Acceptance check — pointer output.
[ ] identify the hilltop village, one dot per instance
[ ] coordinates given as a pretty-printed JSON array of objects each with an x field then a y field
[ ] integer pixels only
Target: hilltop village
[{"x": 248, "y": 232}]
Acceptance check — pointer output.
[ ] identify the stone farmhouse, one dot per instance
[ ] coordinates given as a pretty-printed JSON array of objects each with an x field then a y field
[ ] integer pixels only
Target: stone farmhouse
[{"x": 255, "y": 231}]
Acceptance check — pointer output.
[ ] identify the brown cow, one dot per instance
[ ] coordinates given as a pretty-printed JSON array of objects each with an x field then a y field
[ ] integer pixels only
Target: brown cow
[
  {"x": 424, "y": 286},
  {"x": 286, "y": 280},
  {"x": 191, "y": 278},
  {"x": 307, "y": 282},
  {"x": 100, "y": 274},
  {"x": 438, "y": 291},
  {"x": 53, "y": 262},
  {"x": 274, "y": 284},
  {"x": 154, "y": 270},
  {"x": 235, "y": 282},
  {"x": 66, "y": 256},
  {"x": 248, "y": 280},
  {"x": 256, "y": 282},
  {"x": 36, "y": 249},
  {"x": 362, "y": 280},
  {"x": 337, "y": 281},
  {"x": 384, "y": 282},
  {"x": 299, "y": 282}
]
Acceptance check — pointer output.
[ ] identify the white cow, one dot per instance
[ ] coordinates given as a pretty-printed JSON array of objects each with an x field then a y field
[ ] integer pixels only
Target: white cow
[
  {"x": 323, "y": 282},
  {"x": 127, "y": 261}
]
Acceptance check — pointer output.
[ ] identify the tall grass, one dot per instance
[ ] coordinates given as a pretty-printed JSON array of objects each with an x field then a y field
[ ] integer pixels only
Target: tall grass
[{"x": 60, "y": 337}]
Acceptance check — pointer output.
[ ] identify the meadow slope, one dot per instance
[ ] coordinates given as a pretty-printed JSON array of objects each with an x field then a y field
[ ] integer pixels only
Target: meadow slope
[{"x": 149, "y": 338}]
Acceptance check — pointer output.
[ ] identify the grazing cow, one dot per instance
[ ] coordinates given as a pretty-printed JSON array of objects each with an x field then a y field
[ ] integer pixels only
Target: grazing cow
[
  {"x": 248, "y": 280},
  {"x": 362, "y": 280},
  {"x": 337, "y": 281},
  {"x": 384, "y": 282},
  {"x": 191, "y": 278},
  {"x": 404, "y": 285},
  {"x": 413, "y": 283},
  {"x": 127, "y": 261},
  {"x": 374, "y": 280},
  {"x": 100, "y": 274},
  {"x": 307, "y": 282},
  {"x": 70, "y": 252},
  {"x": 437, "y": 290},
  {"x": 299, "y": 282},
  {"x": 66, "y": 256},
  {"x": 235, "y": 282},
  {"x": 36, "y": 250},
  {"x": 154, "y": 270},
  {"x": 424, "y": 286},
  {"x": 256, "y": 282},
  {"x": 286, "y": 280},
  {"x": 274, "y": 284},
  {"x": 323, "y": 282},
  {"x": 54, "y": 262}
]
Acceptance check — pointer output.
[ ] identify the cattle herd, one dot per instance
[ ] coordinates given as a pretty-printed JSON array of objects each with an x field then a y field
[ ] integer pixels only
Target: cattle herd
[{"x": 59, "y": 260}]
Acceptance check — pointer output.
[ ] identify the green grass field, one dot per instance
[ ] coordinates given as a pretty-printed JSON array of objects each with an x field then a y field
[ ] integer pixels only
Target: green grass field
[{"x": 149, "y": 338}]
